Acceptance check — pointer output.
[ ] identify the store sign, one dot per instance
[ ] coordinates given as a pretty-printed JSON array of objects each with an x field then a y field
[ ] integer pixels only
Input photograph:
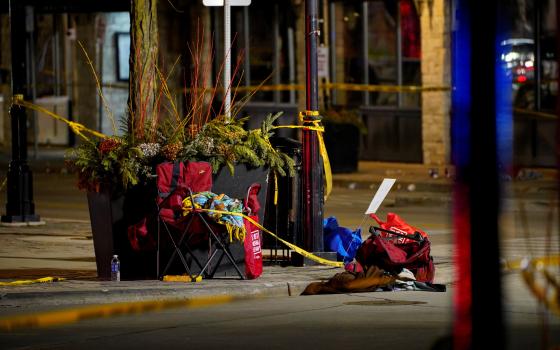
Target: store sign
[
  {"x": 231, "y": 2},
  {"x": 323, "y": 62}
]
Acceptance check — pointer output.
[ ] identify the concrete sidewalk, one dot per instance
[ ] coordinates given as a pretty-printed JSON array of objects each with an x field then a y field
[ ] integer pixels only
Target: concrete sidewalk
[
  {"x": 275, "y": 281},
  {"x": 64, "y": 248}
]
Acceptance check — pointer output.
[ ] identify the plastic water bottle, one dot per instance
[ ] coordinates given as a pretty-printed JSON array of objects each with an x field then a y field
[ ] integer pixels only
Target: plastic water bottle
[{"x": 115, "y": 269}]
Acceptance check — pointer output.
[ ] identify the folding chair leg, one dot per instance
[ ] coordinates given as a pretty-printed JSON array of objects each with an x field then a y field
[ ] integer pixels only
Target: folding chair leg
[
  {"x": 191, "y": 253},
  {"x": 223, "y": 248},
  {"x": 228, "y": 254},
  {"x": 186, "y": 245},
  {"x": 175, "y": 252},
  {"x": 215, "y": 269},
  {"x": 185, "y": 264},
  {"x": 208, "y": 264},
  {"x": 205, "y": 270}
]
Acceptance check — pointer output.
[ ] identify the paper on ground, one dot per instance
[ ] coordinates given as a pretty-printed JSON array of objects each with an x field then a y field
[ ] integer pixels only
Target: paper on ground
[{"x": 380, "y": 195}]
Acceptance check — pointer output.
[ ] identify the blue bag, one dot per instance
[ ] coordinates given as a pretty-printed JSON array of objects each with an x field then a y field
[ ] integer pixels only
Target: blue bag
[{"x": 341, "y": 240}]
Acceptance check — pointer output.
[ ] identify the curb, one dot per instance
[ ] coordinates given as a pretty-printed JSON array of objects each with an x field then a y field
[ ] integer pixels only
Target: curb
[{"x": 123, "y": 294}]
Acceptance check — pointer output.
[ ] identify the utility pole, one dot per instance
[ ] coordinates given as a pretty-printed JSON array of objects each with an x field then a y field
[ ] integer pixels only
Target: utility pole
[
  {"x": 20, "y": 209},
  {"x": 312, "y": 170}
]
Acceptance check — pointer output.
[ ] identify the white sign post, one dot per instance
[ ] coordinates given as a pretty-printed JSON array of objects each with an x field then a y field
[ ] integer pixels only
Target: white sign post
[
  {"x": 380, "y": 195},
  {"x": 227, "y": 46}
]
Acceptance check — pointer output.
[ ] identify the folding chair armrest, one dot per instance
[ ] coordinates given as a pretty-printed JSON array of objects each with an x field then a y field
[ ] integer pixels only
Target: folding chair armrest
[{"x": 174, "y": 200}]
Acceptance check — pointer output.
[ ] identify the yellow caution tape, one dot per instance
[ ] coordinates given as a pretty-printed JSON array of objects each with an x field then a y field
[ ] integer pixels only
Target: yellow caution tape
[
  {"x": 547, "y": 291},
  {"x": 275, "y": 188},
  {"x": 39, "y": 280},
  {"x": 277, "y": 87},
  {"x": 53, "y": 318},
  {"x": 325, "y": 156},
  {"x": 532, "y": 113},
  {"x": 339, "y": 86},
  {"x": 385, "y": 88},
  {"x": 292, "y": 246},
  {"x": 77, "y": 128},
  {"x": 182, "y": 278},
  {"x": 519, "y": 264},
  {"x": 316, "y": 126},
  {"x": 549, "y": 294},
  {"x": 297, "y": 249}
]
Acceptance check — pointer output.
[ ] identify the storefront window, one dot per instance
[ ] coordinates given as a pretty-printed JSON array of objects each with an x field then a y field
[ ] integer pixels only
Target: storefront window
[
  {"x": 349, "y": 66},
  {"x": 383, "y": 49},
  {"x": 410, "y": 51},
  {"x": 549, "y": 57},
  {"x": 262, "y": 37},
  {"x": 528, "y": 54},
  {"x": 261, "y": 51}
]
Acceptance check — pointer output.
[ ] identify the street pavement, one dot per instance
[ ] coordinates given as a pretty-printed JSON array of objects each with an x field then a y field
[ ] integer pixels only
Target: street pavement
[
  {"x": 63, "y": 247},
  {"x": 378, "y": 320}
]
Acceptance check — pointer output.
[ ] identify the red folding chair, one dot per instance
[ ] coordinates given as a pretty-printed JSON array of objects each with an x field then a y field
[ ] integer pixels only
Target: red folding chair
[{"x": 176, "y": 181}]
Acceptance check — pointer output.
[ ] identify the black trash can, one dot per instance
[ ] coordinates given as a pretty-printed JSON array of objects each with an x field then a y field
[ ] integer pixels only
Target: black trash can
[
  {"x": 343, "y": 146},
  {"x": 284, "y": 218}
]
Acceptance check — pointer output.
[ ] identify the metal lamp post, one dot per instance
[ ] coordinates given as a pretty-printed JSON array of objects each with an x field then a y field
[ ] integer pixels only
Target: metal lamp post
[
  {"x": 312, "y": 171},
  {"x": 227, "y": 4},
  {"x": 20, "y": 208}
]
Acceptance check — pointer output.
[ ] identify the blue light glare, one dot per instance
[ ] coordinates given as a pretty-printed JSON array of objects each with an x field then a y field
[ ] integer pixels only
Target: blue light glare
[
  {"x": 504, "y": 113},
  {"x": 461, "y": 83}
]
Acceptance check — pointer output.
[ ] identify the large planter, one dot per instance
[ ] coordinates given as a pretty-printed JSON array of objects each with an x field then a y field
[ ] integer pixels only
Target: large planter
[
  {"x": 110, "y": 216},
  {"x": 112, "y": 213},
  {"x": 343, "y": 146}
]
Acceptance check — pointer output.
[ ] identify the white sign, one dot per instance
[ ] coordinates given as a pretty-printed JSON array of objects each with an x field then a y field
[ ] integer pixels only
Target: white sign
[
  {"x": 380, "y": 195},
  {"x": 323, "y": 62},
  {"x": 231, "y": 2}
]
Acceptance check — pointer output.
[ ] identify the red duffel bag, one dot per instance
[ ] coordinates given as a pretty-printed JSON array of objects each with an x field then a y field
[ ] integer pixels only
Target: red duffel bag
[{"x": 397, "y": 245}]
